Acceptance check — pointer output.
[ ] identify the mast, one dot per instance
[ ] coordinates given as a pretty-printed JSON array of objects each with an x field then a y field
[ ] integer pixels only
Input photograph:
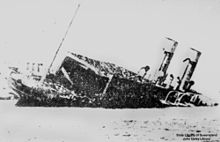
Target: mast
[{"x": 61, "y": 43}]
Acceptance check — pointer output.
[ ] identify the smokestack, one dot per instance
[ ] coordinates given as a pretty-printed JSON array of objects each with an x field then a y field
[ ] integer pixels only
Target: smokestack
[
  {"x": 190, "y": 68},
  {"x": 168, "y": 55}
]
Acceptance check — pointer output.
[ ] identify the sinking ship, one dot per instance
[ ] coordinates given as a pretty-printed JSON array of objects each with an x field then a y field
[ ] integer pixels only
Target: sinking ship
[{"x": 78, "y": 81}]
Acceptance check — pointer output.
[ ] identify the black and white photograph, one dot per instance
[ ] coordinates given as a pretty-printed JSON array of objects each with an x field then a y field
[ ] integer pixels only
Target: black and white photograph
[{"x": 109, "y": 71}]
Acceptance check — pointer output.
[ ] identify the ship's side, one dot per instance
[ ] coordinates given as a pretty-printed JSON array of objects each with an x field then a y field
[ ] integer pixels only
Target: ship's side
[
  {"x": 90, "y": 83},
  {"x": 84, "y": 82}
]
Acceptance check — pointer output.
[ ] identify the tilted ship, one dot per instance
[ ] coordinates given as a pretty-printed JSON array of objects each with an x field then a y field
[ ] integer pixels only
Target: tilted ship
[
  {"x": 80, "y": 81},
  {"x": 83, "y": 82}
]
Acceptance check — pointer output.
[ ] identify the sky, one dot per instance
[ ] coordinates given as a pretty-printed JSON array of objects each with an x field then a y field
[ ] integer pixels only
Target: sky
[{"x": 128, "y": 33}]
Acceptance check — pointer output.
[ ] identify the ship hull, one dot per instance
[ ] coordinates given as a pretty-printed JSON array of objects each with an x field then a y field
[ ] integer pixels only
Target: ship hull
[
  {"x": 84, "y": 82},
  {"x": 113, "y": 98}
]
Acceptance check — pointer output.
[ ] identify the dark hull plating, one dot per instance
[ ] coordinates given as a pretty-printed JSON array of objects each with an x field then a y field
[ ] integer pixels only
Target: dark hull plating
[{"x": 84, "y": 82}]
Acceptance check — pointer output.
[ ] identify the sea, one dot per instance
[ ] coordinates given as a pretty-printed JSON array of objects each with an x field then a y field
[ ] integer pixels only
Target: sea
[{"x": 75, "y": 124}]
